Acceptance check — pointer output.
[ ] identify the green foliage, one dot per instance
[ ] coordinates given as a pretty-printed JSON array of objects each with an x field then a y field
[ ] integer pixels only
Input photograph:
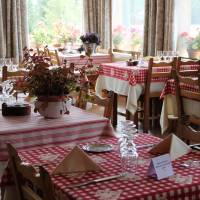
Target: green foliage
[{"x": 53, "y": 12}]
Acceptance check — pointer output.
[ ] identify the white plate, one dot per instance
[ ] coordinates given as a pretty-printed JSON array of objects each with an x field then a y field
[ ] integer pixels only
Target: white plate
[{"x": 97, "y": 148}]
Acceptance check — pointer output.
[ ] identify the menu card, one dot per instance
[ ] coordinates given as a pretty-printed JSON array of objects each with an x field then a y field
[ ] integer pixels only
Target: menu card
[{"x": 161, "y": 167}]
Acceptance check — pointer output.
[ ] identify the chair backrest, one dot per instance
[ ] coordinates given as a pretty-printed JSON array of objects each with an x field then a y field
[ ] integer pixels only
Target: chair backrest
[
  {"x": 107, "y": 102},
  {"x": 155, "y": 71},
  {"x": 53, "y": 55},
  {"x": 186, "y": 87},
  {"x": 187, "y": 62},
  {"x": 188, "y": 129},
  {"x": 30, "y": 184},
  {"x": 13, "y": 75},
  {"x": 188, "y": 125}
]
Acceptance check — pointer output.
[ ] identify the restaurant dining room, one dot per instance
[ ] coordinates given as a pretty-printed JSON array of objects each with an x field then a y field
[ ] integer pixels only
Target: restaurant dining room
[{"x": 99, "y": 100}]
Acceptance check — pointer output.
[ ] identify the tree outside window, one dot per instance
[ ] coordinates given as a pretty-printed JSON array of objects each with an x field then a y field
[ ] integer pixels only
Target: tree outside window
[{"x": 55, "y": 22}]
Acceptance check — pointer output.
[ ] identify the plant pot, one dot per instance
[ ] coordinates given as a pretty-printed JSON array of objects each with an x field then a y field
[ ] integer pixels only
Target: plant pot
[
  {"x": 52, "y": 106},
  {"x": 90, "y": 48},
  {"x": 194, "y": 53}
]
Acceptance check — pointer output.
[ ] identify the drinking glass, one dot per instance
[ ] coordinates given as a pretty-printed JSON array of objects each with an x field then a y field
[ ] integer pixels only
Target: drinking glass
[
  {"x": 8, "y": 63},
  {"x": 2, "y": 63},
  {"x": 129, "y": 155},
  {"x": 127, "y": 148},
  {"x": 159, "y": 55},
  {"x": 7, "y": 88}
]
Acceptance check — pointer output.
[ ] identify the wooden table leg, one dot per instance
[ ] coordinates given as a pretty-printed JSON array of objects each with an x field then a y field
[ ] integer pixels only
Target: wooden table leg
[{"x": 114, "y": 111}]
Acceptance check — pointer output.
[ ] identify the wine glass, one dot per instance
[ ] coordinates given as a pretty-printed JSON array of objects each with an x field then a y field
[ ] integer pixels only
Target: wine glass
[
  {"x": 159, "y": 55},
  {"x": 2, "y": 63},
  {"x": 8, "y": 63},
  {"x": 7, "y": 88}
]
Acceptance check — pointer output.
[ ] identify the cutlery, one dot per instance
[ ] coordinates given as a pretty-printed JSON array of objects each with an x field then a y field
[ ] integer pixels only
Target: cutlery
[
  {"x": 195, "y": 146},
  {"x": 97, "y": 180},
  {"x": 145, "y": 146}
]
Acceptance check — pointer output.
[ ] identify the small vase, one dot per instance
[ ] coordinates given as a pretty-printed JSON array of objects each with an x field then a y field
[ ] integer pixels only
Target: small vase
[
  {"x": 90, "y": 48},
  {"x": 52, "y": 106}
]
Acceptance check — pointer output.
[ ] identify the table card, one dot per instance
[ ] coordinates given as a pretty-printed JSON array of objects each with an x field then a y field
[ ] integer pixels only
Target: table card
[{"x": 161, "y": 167}]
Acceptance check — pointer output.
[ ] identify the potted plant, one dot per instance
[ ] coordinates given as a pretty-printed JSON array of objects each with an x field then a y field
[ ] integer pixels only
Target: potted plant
[
  {"x": 117, "y": 36},
  {"x": 90, "y": 42},
  {"x": 50, "y": 85},
  {"x": 192, "y": 43}
]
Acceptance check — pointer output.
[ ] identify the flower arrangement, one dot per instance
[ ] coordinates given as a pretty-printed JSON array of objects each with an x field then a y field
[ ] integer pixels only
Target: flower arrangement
[
  {"x": 135, "y": 39},
  {"x": 118, "y": 35},
  {"x": 191, "y": 42},
  {"x": 90, "y": 38},
  {"x": 44, "y": 80}
]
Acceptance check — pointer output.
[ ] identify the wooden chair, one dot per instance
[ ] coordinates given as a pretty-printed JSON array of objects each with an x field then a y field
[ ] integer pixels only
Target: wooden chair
[
  {"x": 184, "y": 62},
  {"x": 30, "y": 184},
  {"x": 188, "y": 125},
  {"x": 84, "y": 98},
  {"x": 13, "y": 75},
  {"x": 148, "y": 94},
  {"x": 53, "y": 55}
]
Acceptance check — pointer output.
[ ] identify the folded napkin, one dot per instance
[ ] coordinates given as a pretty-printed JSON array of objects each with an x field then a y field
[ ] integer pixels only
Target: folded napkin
[
  {"x": 172, "y": 145},
  {"x": 76, "y": 161}
]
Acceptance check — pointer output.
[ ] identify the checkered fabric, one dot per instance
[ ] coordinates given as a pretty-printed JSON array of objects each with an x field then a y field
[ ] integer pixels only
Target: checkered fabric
[
  {"x": 97, "y": 59},
  {"x": 133, "y": 74},
  {"x": 32, "y": 131},
  {"x": 170, "y": 88},
  {"x": 185, "y": 184}
]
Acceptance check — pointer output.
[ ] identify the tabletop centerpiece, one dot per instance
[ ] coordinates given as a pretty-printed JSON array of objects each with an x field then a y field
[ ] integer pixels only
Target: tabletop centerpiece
[
  {"x": 90, "y": 42},
  {"x": 52, "y": 85}
]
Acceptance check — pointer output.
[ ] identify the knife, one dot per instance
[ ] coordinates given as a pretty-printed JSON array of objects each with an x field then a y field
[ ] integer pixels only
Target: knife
[
  {"x": 97, "y": 180},
  {"x": 145, "y": 146}
]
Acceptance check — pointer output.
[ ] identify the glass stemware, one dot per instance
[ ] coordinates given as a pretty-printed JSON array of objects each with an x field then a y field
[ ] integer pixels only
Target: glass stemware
[
  {"x": 7, "y": 88},
  {"x": 127, "y": 148}
]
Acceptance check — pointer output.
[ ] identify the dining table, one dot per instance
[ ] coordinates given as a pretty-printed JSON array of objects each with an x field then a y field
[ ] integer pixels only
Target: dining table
[
  {"x": 31, "y": 131},
  {"x": 97, "y": 58},
  {"x": 130, "y": 81},
  {"x": 184, "y": 184}
]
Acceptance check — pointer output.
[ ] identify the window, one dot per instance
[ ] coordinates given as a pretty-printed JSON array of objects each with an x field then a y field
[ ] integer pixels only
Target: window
[
  {"x": 55, "y": 22},
  {"x": 187, "y": 27},
  {"x": 128, "y": 21}
]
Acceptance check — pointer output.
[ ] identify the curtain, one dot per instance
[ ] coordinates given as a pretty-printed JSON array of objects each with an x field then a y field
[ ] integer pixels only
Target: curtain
[
  {"x": 98, "y": 19},
  {"x": 13, "y": 28},
  {"x": 158, "y": 26}
]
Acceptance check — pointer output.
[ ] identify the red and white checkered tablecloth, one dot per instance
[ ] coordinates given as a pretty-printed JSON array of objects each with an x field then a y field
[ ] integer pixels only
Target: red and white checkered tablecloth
[
  {"x": 170, "y": 88},
  {"x": 34, "y": 130},
  {"x": 183, "y": 185},
  {"x": 133, "y": 74},
  {"x": 75, "y": 58}
]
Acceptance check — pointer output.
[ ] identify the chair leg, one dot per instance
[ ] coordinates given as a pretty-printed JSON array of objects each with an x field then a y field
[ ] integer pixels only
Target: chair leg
[
  {"x": 136, "y": 119},
  {"x": 114, "y": 110}
]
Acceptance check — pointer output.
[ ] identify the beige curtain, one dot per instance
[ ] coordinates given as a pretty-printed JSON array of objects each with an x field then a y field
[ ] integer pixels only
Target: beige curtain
[
  {"x": 13, "y": 28},
  {"x": 98, "y": 19},
  {"x": 158, "y": 26}
]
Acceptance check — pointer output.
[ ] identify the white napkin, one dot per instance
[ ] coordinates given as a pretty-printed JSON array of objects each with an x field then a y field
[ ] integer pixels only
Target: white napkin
[
  {"x": 172, "y": 145},
  {"x": 76, "y": 161}
]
